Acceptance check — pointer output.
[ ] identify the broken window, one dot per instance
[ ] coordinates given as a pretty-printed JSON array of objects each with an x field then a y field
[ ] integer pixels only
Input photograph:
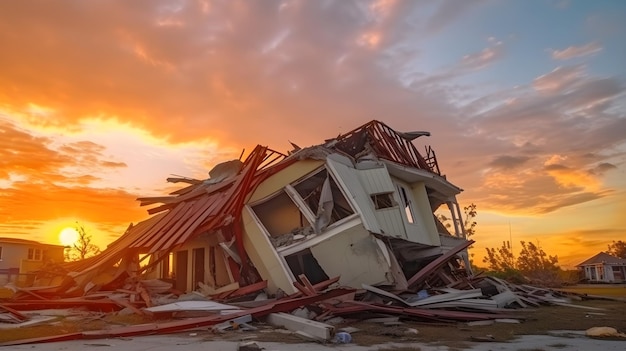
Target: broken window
[
  {"x": 303, "y": 208},
  {"x": 384, "y": 200},
  {"x": 321, "y": 194},
  {"x": 405, "y": 199},
  {"x": 279, "y": 215}
]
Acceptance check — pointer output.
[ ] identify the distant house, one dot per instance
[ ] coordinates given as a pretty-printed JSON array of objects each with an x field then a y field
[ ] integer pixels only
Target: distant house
[
  {"x": 19, "y": 256},
  {"x": 604, "y": 268}
]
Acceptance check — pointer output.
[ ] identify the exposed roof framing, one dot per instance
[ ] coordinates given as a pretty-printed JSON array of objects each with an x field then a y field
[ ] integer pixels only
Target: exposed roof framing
[{"x": 386, "y": 143}]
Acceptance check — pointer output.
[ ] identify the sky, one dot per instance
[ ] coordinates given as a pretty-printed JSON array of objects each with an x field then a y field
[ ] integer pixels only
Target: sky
[{"x": 101, "y": 101}]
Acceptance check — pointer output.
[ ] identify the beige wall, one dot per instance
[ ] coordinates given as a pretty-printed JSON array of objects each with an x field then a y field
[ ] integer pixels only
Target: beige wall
[
  {"x": 355, "y": 256},
  {"x": 15, "y": 255},
  {"x": 270, "y": 266}
]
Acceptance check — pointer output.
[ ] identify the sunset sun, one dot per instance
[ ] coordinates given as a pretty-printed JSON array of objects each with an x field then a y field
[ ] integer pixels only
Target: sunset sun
[{"x": 68, "y": 236}]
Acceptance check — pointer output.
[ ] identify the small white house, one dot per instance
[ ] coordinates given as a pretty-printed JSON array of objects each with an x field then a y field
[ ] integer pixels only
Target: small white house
[
  {"x": 19, "y": 256},
  {"x": 604, "y": 268}
]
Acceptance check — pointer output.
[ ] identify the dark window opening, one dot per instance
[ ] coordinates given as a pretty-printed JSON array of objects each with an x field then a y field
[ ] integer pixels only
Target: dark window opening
[
  {"x": 383, "y": 201},
  {"x": 310, "y": 190},
  {"x": 303, "y": 262}
]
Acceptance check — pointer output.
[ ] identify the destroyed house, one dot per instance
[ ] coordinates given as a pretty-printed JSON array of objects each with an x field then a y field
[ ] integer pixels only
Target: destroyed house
[{"x": 360, "y": 207}]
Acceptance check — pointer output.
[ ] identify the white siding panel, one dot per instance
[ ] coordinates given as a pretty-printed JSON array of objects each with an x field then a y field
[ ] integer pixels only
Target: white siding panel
[
  {"x": 391, "y": 222},
  {"x": 348, "y": 179},
  {"x": 376, "y": 180}
]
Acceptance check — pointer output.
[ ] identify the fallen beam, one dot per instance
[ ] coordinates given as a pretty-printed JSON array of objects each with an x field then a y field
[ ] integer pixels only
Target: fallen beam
[
  {"x": 430, "y": 314},
  {"x": 321, "y": 331},
  {"x": 14, "y": 313}
]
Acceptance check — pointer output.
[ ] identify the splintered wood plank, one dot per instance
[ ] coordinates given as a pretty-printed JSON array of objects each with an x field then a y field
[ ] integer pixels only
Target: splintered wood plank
[
  {"x": 321, "y": 286},
  {"x": 14, "y": 313},
  {"x": 307, "y": 283},
  {"x": 303, "y": 289},
  {"x": 437, "y": 263}
]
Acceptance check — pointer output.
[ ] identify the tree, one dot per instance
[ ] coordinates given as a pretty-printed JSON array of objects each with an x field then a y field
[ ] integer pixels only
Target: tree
[
  {"x": 532, "y": 263},
  {"x": 469, "y": 222},
  {"x": 617, "y": 249},
  {"x": 500, "y": 259},
  {"x": 83, "y": 247}
]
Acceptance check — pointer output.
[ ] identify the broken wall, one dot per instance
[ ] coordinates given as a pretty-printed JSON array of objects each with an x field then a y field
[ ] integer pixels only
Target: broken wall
[{"x": 354, "y": 255}]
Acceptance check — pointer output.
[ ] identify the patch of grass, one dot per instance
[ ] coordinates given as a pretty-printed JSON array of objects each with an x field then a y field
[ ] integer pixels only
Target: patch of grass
[
  {"x": 59, "y": 327},
  {"x": 62, "y": 326},
  {"x": 602, "y": 290}
]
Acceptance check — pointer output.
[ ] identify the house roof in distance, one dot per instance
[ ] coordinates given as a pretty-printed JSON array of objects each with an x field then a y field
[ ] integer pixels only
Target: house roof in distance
[
  {"x": 25, "y": 242},
  {"x": 605, "y": 258}
]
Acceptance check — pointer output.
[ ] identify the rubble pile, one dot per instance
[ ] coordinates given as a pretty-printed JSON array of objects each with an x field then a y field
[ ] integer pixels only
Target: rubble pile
[{"x": 319, "y": 312}]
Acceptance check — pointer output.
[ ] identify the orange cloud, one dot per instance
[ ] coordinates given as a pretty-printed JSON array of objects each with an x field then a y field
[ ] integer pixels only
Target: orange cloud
[
  {"x": 559, "y": 79},
  {"x": 576, "y": 51},
  {"x": 573, "y": 178}
]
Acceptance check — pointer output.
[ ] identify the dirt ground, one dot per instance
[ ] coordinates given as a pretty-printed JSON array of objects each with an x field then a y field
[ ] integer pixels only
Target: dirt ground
[
  {"x": 533, "y": 321},
  {"x": 537, "y": 321}
]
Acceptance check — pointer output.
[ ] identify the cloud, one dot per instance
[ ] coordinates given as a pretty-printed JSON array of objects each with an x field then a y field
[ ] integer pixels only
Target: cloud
[
  {"x": 211, "y": 73},
  {"x": 467, "y": 64},
  {"x": 33, "y": 158},
  {"x": 559, "y": 79},
  {"x": 482, "y": 59},
  {"x": 561, "y": 117},
  {"x": 448, "y": 12},
  {"x": 508, "y": 162},
  {"x": 602, "y": 168},
  {"x": 576, "y": 51}
]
